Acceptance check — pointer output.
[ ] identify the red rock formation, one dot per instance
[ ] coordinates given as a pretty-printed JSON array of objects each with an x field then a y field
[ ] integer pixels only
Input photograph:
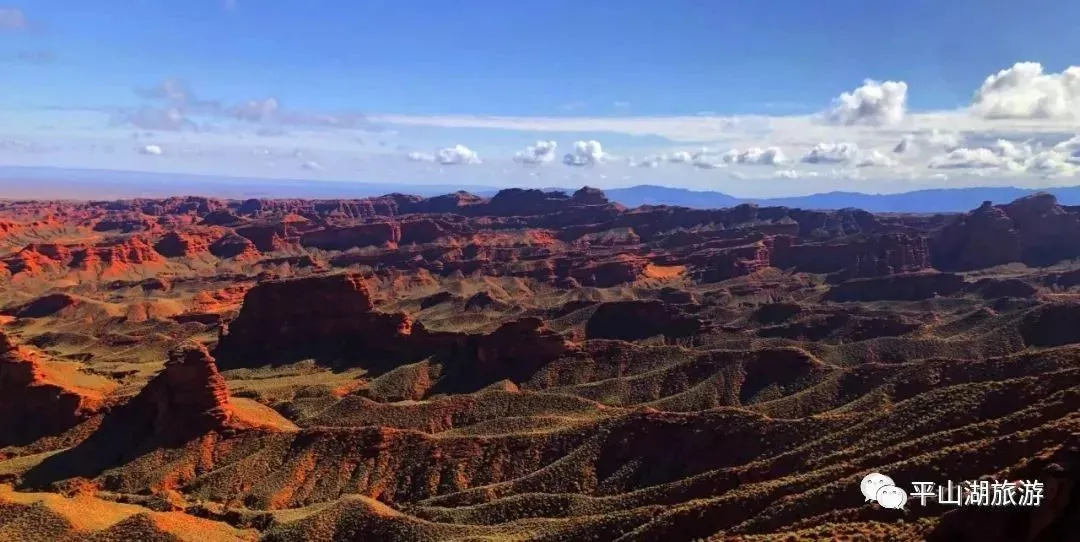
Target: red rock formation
[
  {"x": 519, "y": 348},
  {"x": 304, "y": 317},
  {"x": 1035, "y": 230},
  {"x": 271, "y": 237},
  {"x": 189, "y": 397},
  {"x": 984, "y": 237},
  {"x": 1048, "y": 232},
  {"x": 235, "y": 246},
  {"x": 386, "y": 234},
  {"x": 717, "y": 264},
  {"x": 590, "y": 196},
  {"x": 35, "y": 403},
  {"x": 175, "y": 244},
  {"x": 875, "y": 256}
]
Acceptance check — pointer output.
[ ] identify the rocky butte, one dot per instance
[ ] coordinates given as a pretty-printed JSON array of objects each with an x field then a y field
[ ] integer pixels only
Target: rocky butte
[{"x": 533, "y": 366}]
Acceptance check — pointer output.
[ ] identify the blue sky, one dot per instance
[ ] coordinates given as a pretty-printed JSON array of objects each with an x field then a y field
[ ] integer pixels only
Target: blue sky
[{"x": 644, "y": 80}]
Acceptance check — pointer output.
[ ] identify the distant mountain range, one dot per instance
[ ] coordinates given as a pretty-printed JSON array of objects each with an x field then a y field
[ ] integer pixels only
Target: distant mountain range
[
  {"x": 95, "y": 184},
  {"x": 944, "y": 200}
]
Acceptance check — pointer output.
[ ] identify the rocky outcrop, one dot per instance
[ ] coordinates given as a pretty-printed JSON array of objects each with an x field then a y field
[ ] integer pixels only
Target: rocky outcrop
[
  {"x": 35, "y": 403},
  {"x": 234, "y": 246},
  {"x": 590, "y": 196},
  {"x": 309, "y": 317},
  {"x": 270, "y": 236},
  {"x": 1035, "y": 230},
  {"x": 873, "y": 256},
  {"x": 386, "y": 234},
  {"x": 1048, "y": 232},
  {"x": 719, "y": 264},
  {"x": 188, "y": 398},
  {"x": 175, "y": 244}
]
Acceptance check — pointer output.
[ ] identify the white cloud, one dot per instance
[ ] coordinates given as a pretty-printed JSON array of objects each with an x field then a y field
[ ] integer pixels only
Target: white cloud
[
  {"x": 586, "y": 153},
  {"x": 771, "y": 156},
  {"x": 417, "y": 156},
  {"x": 1006, "y": 156},
  {"x": 152, "y": 150},
  {"x": 871, "y": 104},
  {"x": 832, "y": 153},
  {"x": 709, "y": 158},
  {"x": 314, "y": 166},
  {"x": 875, "y": 158},
  {"x": 649, "y": 161},
  {"x": 1070, "y": 147},
  {"x": 1024, "y": 91},
  {"x": 458, "y": 154},
  {"x": 680, "y": 157},
  {"x": 934, "y": 140},
  {"x": 543, "y": 152},
  {"x": 965, "y": 158},
  {"x": 796, "y": 174},
  {"x": 449, "y": 156},
  {"x": 847, "y": 153}
]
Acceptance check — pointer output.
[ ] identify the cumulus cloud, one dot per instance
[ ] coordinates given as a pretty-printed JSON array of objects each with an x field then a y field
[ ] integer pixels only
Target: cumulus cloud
[
  {"x": 965, "y": 158},
  {"x": 543, "y": 152},
  {"x": 847, "y": 153},
  {"x": 875, "y": 158},
  {"x": 796, "y": 174},
  {"x": 1010, "y": 156},
  {"x": 586, "y": 153},
  {"x": 934, "y": 139},
  {"x": 649, "y": 161},
  {"x": 709, "y": 158},
  {"x": 1070, "y": 148},
  {"x": 832, "y": 153},
  {"x": 771, "y": 156},
  {"x": 458, "y": 154},
  {"x": 152, "y": 150},
  {"x": 873, "y": 103},
  {"x": 1024, "y": 91},
  {"x": 449, "y": 156},
  {"x": 680, "y": 157}
]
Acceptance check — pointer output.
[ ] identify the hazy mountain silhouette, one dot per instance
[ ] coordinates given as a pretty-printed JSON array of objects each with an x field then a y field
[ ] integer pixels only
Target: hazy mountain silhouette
[{"x": 100, "y": 184}]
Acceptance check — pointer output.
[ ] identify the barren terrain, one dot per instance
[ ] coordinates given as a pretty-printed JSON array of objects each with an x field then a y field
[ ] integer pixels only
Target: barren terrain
[{"x": 530, "y": 367}]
